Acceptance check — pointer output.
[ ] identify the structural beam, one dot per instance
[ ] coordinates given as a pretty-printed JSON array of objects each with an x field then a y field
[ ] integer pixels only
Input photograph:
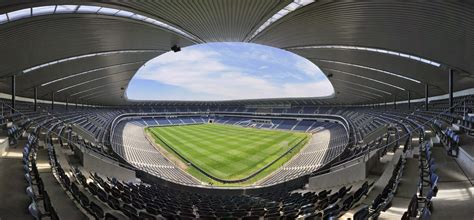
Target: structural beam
[
  {"x": 13, "y": 92},
  {"x": 451, "y": 101}
]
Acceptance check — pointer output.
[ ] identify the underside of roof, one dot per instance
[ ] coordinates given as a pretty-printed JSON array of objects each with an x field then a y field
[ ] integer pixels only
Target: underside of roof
[{"x": 371, "y": 51}]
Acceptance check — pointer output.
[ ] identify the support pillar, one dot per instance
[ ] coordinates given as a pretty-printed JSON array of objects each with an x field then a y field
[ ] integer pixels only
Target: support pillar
[
  {"x": 409, "y": 100},
  {"x": 13, "y": 92},
  {"x": 52, "y": 100},
  {"x": 35, "y": 97},
  {"x": 426, "y": 97},
  {"x": 451, "y": 101},
  {"x": 394, "y": 102}
]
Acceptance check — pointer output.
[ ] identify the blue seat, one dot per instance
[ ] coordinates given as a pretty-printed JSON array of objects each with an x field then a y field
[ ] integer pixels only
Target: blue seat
[
  {"x": 434, "y": 179},
  {"x": 34, "y": 211},
  {"x": 434, "y": 183},
  {"x": 425, "y": 214},
  {"x": 456, "y": 139}
]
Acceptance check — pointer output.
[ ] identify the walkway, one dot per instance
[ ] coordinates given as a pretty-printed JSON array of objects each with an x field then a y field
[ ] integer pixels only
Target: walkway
[
  {"x": 62, "y": 203},
  {"x": 13, "y": 199},
  {"x": 455, "y": 199}
]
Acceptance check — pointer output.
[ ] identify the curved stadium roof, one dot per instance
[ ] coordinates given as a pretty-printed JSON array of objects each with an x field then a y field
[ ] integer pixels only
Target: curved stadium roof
[{"x": 88, "y": 51}]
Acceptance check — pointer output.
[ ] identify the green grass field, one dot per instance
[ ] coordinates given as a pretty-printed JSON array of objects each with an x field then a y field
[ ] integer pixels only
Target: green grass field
[{"x": 229, "y": 152}]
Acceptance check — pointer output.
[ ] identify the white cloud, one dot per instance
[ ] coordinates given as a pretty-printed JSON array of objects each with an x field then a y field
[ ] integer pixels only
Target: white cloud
[
  {"x": 203, "y": 74},
  {"x": 307, "y": 67}
]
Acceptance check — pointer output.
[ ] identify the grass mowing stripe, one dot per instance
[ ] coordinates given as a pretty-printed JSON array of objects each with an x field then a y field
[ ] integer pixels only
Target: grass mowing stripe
[
  {"x": 218, "y": 162},
  {"x": 184, "y": 138},
  {"x": 225, "y": 134},
  {"x": 171, "y": 138},
  {"x": 183, "y": 141},
  {"x": 256, "y": 154},
  {"x": 185, "y": 154},
  {"x": 228, "y": 152},
  {"x": 248, "y": 147},
  {"x": 194, "y": 148},
  {"x": 224, "y": 142},
  {"x": 275, "y": 154},
  {"x": 194, "y": 154}
]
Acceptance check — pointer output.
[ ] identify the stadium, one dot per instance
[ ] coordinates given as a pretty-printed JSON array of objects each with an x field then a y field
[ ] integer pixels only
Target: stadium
[{"x": 236, "y": 109}]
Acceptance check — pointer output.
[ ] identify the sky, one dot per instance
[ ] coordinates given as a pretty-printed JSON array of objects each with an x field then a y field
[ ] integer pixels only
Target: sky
[{"x": 228, "y": 71}]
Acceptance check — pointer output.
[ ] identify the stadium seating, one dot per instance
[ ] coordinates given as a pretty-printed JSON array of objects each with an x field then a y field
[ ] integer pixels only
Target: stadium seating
[
  {"x": 383, "y": 200},
  {"x": 105, "y": 197},
  {"x": 40, "y": 206}
]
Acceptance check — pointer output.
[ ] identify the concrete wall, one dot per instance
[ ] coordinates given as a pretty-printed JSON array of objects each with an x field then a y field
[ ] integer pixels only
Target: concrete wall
[
  {"x": 94, "y": 162},
  {"x": 81, "y": 132},
  {"x": 289, "y": 185},
  {"x": 4, "y": 145},
  {"x": 375, "y": 134},
  {"x": 349, "y": 174},
  {"x": 466, "y": 162},
  {"x": 373, "y": 161},
  {"x": 346, "y": 173}
]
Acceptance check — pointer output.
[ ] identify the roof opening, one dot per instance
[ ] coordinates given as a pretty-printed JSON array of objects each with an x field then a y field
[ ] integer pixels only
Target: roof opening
[{"x": 228, "y": 71}]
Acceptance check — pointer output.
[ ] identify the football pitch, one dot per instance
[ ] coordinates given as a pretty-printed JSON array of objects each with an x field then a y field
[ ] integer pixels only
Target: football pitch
[{"x": 228, "y": 152}]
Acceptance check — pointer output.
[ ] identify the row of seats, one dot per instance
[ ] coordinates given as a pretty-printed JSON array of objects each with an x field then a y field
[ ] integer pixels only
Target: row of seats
[
  {"x": 317, "y": 153},
  {"x": 328, "y": 204},
  {"x": 383, "y": 200},
  {"x": 461, "y": 105},
  {"x": 134, "y": 200},
  {"x": 451, "y": 140},
  {"x": 40, "y": 207},
  {"x": 130, "y": 143},
  {"x": 421, "y": 205},
  {"x": 468, "y": 123},
  {"x": 68, "y": 180},
  {"x": 448, "y": 136}
]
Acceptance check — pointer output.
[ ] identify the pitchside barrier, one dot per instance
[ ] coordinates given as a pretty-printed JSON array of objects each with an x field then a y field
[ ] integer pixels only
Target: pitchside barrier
[{"x": 289, "y": 185}]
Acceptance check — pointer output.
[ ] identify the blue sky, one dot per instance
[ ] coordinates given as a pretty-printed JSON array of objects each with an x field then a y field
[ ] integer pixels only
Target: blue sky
[{"x": 228, "y": 71}]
